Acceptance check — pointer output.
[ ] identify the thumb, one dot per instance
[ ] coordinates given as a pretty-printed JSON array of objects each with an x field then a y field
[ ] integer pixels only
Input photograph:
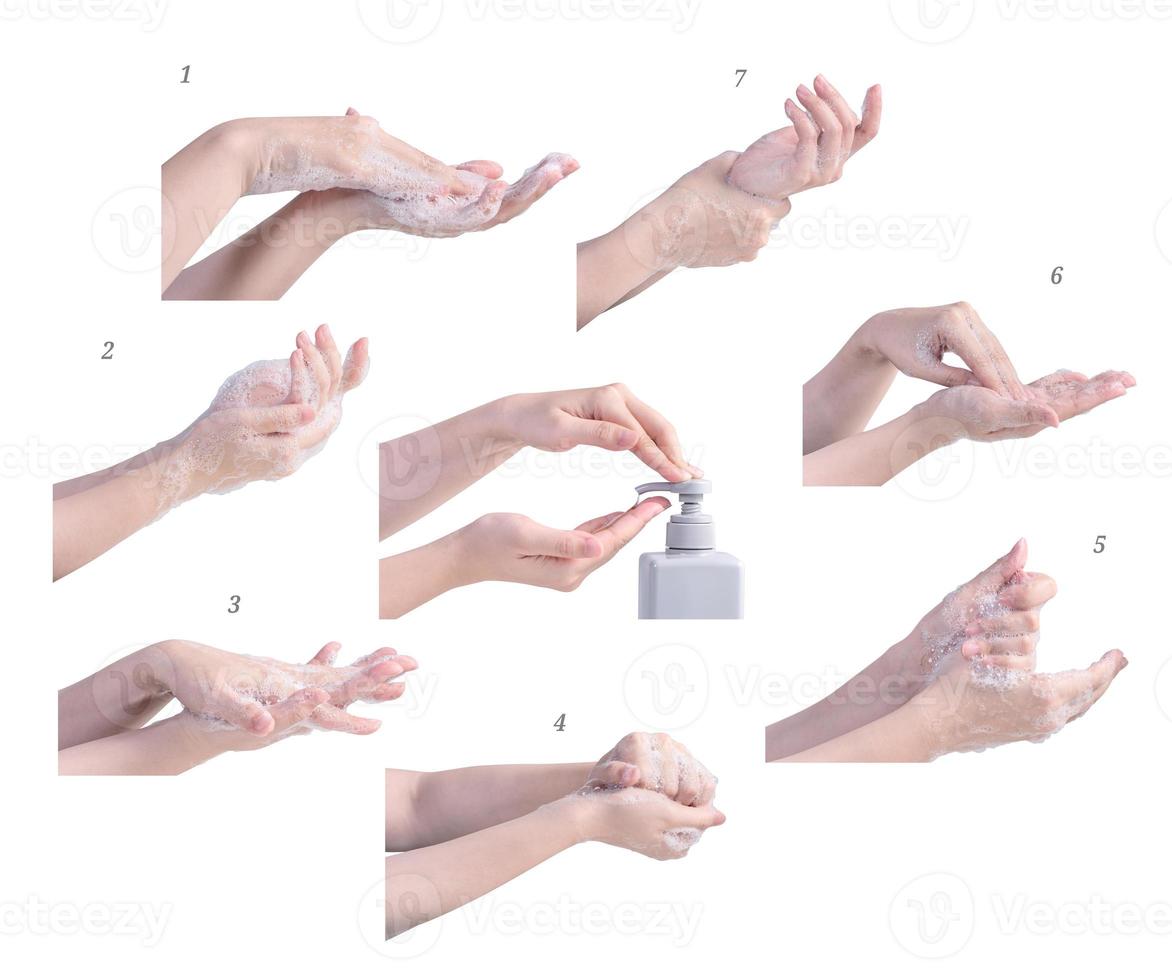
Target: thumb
[
  {"x": 1019, "y": 414},
  {"x": 700, "y": 817},
  {"x": 613, "y": 775},
  {"x": 599, "y": 432},
  {"x": 1001, "y": 571},
  {"x": 946, "y": 375}
]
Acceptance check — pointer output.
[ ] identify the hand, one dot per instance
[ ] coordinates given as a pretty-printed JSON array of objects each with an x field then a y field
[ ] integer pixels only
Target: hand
[
  {"x": 610, "y": 417},
  {"x": 239, "y": 702},
  {"x": 266, "y": 420},
  {"x": 702, "y": 220},
  {"x": 993, "y": 618},
  {"x": 985, "y": 416},
  {"x": 642, "y": 820},
  {"x": 812, "y": 151},
  {"x": 974, "y": 706},
  {"x": 513, "y": 548},
  {"x": 654, "y": 762},
  {"x": 393, "y": 186},
  {"x": 915, "y": 341}
]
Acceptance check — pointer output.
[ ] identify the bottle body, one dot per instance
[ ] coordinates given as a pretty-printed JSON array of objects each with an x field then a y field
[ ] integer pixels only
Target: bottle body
[{"x": 677, "y": 584}]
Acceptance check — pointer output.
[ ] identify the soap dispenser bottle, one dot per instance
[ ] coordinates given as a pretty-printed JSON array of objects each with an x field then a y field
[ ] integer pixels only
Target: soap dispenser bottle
[{"x": 691, "y": 579}]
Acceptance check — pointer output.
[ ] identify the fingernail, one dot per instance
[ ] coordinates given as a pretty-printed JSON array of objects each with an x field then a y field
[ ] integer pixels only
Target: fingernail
[
  {"x": 970, "y": 648},
  {"x": 802, "y": 90},
  {"x": 307, "y": 413}
]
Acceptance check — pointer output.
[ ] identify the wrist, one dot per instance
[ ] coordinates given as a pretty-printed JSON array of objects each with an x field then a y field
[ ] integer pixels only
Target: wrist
[
  {"x": 499, "y": 425},
  {"x": 578, "y": 816},
  {"x": 924, "y": 722}
]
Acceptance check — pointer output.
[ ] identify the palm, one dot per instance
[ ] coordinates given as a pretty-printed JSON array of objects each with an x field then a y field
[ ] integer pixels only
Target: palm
[{"x": 770, "y": 167}]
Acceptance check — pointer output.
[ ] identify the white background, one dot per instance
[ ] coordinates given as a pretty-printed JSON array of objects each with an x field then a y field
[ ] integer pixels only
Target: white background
[{"x": 1041, "y": 135}]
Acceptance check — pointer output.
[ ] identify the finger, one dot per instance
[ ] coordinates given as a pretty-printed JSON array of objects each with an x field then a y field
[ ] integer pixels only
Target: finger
[
  {"x": 360, "y": 686},
  {"x": 1003, "y": 369},
  {"x": 387, "y": 692},
  {"x": 662, "y": 434},
  {"x": 1008, "y": 623},
  {"x": 830, "y": 137},
  {"x": 356, "y": 365},
  {"x": 317, "y": 367},
  {"x": 486, "y": 168},
  {"x": 599, "y": 432},
  {"x": 298, "y": 379},
  {"x": 536, "y": 539},
  {"x": 1031, "y": 592},
  {"x": 534, "y": 184},
  {"x": 333, "y": 360},
  {"x": 296, "y": 708},
  {"x": 326, "y": 656},
  {"x": 242, "y": 712},
  {"x": 380, "y": 655},
  {"x": 844, "y": 113},
  {"x": 333, "y": 719},
  {"x": 276, "y": 418},
  {"x": 999, "y": 573},
  {"x": 596, "y": 524},
  {"x": 613, "y": 775},
  {"x": 806, "y": 152},
  {"x": 627, "y": 525},
  {"x": 1110, "y": 665},
  {"x": 868, "y": 127},
  {"x": 1022, "y": 645},
  {"x": 1069, "y": 397}
]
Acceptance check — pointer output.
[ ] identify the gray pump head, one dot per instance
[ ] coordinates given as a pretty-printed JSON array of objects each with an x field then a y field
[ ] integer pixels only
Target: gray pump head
[{"x": 691, "y": 529}]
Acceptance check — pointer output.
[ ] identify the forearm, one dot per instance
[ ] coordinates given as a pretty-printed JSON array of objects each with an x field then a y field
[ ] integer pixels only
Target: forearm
[
  {"x": 873, "y": 457},
  {"x": 201, "y": 183},
  {"x": 840, "y": 399},
  {"x": 430, "y": 881},
  {"x": 425, "y": 808},
  {"x": 162, "y": 749},
  {"x": 90, "y": 521},
  {"x": 618, "y": 265},
  {"x": 874, "y": 692},
  {"x": 407, "y": 581},
  {"x": 263, "y": 263},
  {"x": 900, "y": 736},
  {"x": 420, "y": 471},
  {"x": 121, "y": 697}
]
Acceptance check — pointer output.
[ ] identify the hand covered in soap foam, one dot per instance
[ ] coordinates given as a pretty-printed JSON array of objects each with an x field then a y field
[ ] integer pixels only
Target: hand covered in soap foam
[
  {"x": 265, "y": 421},
  {"x": 610, "y": 417},
  {"x": 812, "y": 151},
  {"x": 393, "y": 186},
  {"x": 701, "y": 221},
  {"x": 644, "y": 821},
  {"x": 985, "y": 416},
  {"x": 915, "y": 341},
  {"x": 654, "y": 762},
  {"x": 973, "y": 705},
  {"x": 648, "y": 794},
  {"x": 236, "y": 702},
  {"x": 513, "y": 548}
]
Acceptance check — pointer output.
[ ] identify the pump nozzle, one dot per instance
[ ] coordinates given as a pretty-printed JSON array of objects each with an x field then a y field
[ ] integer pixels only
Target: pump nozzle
[{"x": 690, "y": 529}]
